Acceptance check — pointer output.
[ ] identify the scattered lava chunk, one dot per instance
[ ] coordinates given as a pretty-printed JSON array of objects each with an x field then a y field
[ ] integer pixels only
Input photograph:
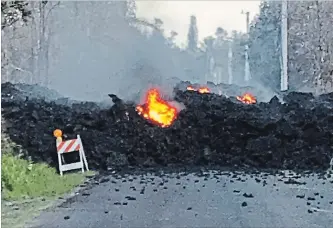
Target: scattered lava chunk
[
  {"x": 247, "y": 98},
  {"x": 157, "y": 110}
]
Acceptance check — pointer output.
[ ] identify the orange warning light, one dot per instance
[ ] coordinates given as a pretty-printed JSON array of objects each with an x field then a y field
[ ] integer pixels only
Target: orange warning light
[{"x": 57, "y": 133}]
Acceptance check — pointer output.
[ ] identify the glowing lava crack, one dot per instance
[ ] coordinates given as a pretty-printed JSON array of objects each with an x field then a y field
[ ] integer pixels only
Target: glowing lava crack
[
  {"x": 200, "y": 90},
  {"x": 157, "y": 110},
  {"x": 247, "y": 98}
]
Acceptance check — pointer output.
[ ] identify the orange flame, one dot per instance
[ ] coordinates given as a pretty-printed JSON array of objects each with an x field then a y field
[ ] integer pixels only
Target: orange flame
[
  {"x": 157, "y": 110},
  {"x": 191, "y": 88},
  {"x": 200, "y": 90},
  {"x": 203, "y": 90},
  {"x": 247, "y": 98}
]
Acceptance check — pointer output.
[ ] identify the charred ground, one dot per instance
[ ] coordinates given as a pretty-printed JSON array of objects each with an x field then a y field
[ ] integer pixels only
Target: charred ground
[{"x": 211, "y": 130}]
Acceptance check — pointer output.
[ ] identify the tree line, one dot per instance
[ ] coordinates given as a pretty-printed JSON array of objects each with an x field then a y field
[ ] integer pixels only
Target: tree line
[
  {"x": 310, "y": 46},
  {"x": 103, "y": 47}
]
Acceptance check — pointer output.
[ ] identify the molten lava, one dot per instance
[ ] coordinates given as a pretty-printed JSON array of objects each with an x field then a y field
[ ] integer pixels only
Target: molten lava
[
  {"x": 203, "y": 90},
  {"x": 191, "y": 88},
  {"x": 200, "y": 90},
  {"x": 157, "y": 110},
  {"x": 247, "y": 98}
]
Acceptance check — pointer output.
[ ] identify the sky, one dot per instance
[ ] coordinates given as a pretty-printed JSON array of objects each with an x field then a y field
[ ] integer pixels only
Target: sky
[{"x": 210, "y": 15}]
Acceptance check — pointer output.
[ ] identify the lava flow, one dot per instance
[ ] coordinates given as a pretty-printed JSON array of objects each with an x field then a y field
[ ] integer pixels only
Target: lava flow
[
  {"x": 247, "y": 98},
  {"x": 200, "y": 90},
  {"x": 157, "y": 110}
]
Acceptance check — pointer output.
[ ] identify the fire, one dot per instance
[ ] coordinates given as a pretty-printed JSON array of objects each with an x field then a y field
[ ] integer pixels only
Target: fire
[
  {"x": 203, "y": 90},
  {"x": 191, "y": 88},
  {"x": 200, "y": 90},
  {"x": 247, "y": 98},
  {"x": 157, "y": 110}
]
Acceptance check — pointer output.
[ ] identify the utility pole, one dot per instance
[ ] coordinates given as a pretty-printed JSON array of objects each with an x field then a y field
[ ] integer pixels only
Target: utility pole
[
  {"x": 247, "y": 22},
  {"x": 230, "y": 78},
  {"x": 247, "y": 65},
  {"x": 284, "y": 44}
]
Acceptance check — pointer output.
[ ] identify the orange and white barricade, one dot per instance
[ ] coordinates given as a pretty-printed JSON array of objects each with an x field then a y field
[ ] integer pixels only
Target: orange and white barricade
[{"x": 68, "y": 146}]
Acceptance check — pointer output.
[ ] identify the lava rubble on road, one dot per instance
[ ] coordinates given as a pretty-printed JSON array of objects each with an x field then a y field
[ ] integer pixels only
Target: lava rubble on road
[{"x": 211, "y": 130}]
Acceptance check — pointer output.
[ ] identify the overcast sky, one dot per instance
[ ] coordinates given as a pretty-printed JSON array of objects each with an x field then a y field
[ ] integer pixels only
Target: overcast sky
[{"x": 210, "y": 15}]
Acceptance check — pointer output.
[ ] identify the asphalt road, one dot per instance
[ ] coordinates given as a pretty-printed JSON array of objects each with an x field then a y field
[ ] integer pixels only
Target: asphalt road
[{"x": 188, "y": 200}]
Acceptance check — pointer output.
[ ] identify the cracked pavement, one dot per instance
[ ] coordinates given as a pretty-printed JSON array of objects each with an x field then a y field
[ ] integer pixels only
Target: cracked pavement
[{"x": 211, "y": 199}]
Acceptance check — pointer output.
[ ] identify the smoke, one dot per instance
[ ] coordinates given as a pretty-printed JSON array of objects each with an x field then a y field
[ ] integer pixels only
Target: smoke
[
  {"x": 176, "y": 16},
  {"x": 179, "y": 106},
  {"x": 266, "y": 92},
  {"x": 95, "y": 52}
]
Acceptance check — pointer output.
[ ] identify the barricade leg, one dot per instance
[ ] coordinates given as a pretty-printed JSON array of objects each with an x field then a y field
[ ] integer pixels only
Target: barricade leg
[
  {"x": 82, "y": 166},
  {"x": 60, "y": 164},
  {"x": 84, "y": 159},
  {"x": 83, "y": 154}
]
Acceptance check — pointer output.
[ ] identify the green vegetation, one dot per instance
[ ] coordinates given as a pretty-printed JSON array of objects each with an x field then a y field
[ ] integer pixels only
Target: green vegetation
[
  {"x": 22, "y": 179},
  {"x": 28, "y": 188}
]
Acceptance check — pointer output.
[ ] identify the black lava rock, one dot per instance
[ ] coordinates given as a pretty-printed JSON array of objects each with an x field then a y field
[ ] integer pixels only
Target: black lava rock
[
  {"x": 248, "y": 195},
  {"x": 212, "y": 129}
]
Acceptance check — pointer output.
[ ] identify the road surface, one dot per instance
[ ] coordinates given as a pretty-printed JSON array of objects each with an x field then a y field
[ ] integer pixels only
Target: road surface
[{"x": 211, "y": 199}]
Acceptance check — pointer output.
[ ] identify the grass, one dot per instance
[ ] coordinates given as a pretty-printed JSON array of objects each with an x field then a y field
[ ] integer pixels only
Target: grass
[
  {"x": 22, "y": 179},
  {"x": 27, "y": 187}
]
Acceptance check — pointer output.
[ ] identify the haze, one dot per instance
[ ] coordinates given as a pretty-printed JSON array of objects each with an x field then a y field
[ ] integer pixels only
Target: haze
[
  {"x": 210, "y": 15},
  {"x": 92, "y": 51}
]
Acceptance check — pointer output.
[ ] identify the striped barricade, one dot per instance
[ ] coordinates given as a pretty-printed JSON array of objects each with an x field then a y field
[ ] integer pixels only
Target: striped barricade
[{"x": 68, "y": 146}]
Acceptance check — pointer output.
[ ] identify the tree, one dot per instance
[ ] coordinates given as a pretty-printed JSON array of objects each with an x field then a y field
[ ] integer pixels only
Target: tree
[
  {"x": 42, "y": 25},
  {"x": 208, "y": 41},
  {"x": 192, "y": 35},
  {"x": 131, "y": 10},
  {"x": 14, "y": 11},
  {"x": 238, "y": 56},
  {"x": 209, "y": 60},
  {"x": 309, "y": 48},
  {"x": 158, "y": 23},
  {"x": 158, "y": 30},
  {"x": 171, "y": 39},
  {"x": 265, "y": 45},
  {"x": 52, "y": 49},
  {"x": 221, "y": 33},
  {"x": 220, "y": 54},
  {"x": 25, "y": 48},
  {"x": 15, "y": 15},
  {"x": 309, "y": 45}
]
